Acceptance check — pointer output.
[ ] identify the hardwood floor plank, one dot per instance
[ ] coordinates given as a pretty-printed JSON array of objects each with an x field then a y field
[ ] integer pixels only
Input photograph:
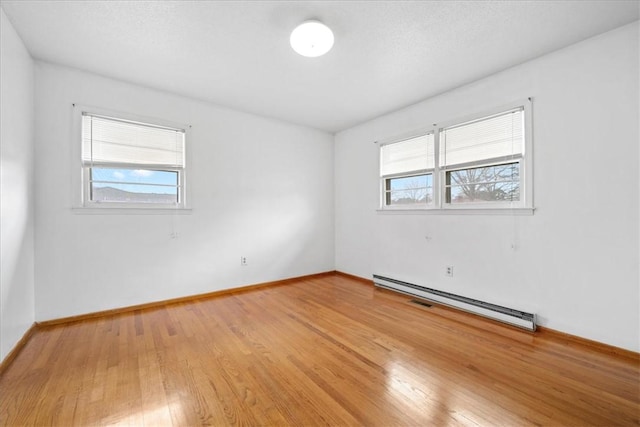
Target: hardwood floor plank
[{"x": 324, "y": 350}]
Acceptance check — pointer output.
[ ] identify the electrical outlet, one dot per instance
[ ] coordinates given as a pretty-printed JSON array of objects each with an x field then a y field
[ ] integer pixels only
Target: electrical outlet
[
  {"x": 243, "y": 260},
  {"x": 449, "y": 271}
]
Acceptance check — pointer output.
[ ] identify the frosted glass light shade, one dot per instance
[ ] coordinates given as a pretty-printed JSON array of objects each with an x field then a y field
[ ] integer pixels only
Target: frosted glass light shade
[{"x": 312, "y": 38}]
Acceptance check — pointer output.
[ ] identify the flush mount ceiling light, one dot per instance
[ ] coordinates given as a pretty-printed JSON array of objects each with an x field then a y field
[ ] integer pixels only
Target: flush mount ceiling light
[{"x": 312, "y": 38}]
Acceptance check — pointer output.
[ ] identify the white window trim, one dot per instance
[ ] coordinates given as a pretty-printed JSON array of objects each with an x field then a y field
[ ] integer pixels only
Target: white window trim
[
  {"x": 523, "y": 207},
  {"x": 80, "y": 197}
]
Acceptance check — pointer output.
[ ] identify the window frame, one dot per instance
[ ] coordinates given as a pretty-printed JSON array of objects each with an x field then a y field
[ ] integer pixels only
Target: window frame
[
  {"x": 387, "y": 192},
  {"x": 82, "y": 172},
  {"x": 488, "y": 164},
  {"x": 417, "y": 172},
  {"x": 524, "y": 206}
]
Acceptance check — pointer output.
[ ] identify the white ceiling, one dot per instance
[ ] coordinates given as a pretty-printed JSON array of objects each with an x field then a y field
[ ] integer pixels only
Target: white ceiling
[{"x": 387, "y": 54}]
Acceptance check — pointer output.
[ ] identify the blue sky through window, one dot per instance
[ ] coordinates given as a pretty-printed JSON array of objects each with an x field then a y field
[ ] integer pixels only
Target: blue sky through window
[
  {"x": 409, "y": 189},
  {"x": 136, "y": 180},
  {"x": 411, "y": 182}
]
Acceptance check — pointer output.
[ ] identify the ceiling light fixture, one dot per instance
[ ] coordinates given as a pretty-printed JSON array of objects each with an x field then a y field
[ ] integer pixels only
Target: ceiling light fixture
[{"x": 312, "y": 38}]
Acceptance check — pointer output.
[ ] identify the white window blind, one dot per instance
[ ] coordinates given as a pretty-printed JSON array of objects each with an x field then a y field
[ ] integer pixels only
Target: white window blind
[
  {"x": 499, "y": 137},
  {"x": 410, "y": 155},
  {"x": 113, "y": 141}
]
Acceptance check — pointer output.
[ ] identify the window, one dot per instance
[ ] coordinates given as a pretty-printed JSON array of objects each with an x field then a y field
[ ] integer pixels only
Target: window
[
  {"x": 480, "y": 160},
  {"x": 479, "y": 163},
  {"x": 127, "y": 163},
  {"x": 407, "y": 171}
]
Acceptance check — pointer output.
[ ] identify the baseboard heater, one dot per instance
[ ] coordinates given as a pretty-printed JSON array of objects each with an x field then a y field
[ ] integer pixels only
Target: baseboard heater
[{"x": 511, "y": 316}]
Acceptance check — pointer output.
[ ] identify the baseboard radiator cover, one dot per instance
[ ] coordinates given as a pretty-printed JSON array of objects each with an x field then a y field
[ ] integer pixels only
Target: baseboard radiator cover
[{"x": 511, "y": 316}]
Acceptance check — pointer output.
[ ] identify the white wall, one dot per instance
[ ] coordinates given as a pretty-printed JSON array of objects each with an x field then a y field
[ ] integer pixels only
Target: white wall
[
  {"x": 16, "y": 188},
  {"x": 260, "y": 188},
  {"x": 576, "y": 258}
]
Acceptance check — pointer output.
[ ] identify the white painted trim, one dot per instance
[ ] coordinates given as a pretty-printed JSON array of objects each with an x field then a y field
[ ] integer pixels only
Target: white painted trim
[
  {"x": 468, "y": 211},
  {"x": 111, "y": 210}
]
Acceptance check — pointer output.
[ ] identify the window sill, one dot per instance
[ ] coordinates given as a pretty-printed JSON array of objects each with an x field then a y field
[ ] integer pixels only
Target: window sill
[
  {"x": 465, "y": 211},
  {"x": 130, "y": 211}
]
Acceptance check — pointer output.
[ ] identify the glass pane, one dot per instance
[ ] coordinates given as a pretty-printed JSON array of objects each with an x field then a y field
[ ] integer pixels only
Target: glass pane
[
  {"x": 500, "y": 183},
  {"x": 134, "y": 186},
  {"x": 133, "y": 193},
  {"x": 137, "y": 176},
  {"x": 410, "y": 182},
  {"x": 409, "y": 190}
]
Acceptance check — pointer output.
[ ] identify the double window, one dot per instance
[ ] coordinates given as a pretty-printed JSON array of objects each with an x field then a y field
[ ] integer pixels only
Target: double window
[
  {"x": 127, "y": 163},
  {"x": 483, "y": 162}
]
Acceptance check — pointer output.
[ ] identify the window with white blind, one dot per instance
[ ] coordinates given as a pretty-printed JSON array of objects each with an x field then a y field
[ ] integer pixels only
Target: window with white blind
[
  {"x": 128, "y": 163},
  {"x": 480, "y": 162},
  {"x": 406, "y": 170}
]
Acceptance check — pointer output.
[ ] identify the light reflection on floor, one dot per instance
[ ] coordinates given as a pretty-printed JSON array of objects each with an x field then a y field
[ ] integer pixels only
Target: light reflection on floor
[
  {"x": 423, "y": 396},
  {"x": 159, "y": 415}
]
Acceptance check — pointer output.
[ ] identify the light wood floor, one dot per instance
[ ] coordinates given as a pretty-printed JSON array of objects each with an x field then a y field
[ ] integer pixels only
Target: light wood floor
[{"x": 324, "y": 351}]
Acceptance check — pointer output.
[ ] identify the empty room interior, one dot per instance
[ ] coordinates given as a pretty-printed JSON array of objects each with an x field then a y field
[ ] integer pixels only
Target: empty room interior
[{"x": 320, "y": 213}]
